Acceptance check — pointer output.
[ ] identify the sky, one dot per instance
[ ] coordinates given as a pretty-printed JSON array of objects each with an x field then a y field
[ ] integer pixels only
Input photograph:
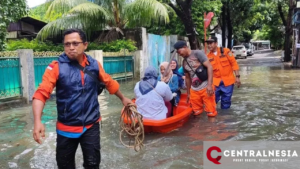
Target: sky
[{"x": 33, "y": 3}]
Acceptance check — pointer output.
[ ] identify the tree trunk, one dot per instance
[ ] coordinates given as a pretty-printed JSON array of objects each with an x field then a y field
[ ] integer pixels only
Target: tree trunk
[
  {"x": 224, "y": 25},
  {"x": 191, "y": 34},
  {"x": 279, "y": 7},
  {"x": 184, "y": 12},
  {"x": 287, "y": 51},
  {"x": 116, "y": 13},
  {"x": 288, "y": 32},
  {"x": 229, "y": 25},
  {"x": 193, "y": 42}
]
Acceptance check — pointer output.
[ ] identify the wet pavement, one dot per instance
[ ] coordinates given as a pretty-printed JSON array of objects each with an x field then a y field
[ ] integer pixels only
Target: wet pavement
[{"x": 266, "y": 107}]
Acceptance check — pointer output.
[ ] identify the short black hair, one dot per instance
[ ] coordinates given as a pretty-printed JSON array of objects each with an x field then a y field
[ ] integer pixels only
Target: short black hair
[{"x": 79, "y": 31}]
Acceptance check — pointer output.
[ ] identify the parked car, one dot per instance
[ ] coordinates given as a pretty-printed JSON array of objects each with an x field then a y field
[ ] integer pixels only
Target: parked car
[
  {"x": 239, "y": 51},
  {"x": 250, "y": 48},
  {"x": 250, "y": 52}
]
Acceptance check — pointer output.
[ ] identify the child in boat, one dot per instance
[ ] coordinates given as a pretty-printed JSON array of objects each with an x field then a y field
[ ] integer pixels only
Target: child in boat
[
  {"x": 179, "y": 72},
  {"x": 153, "y": 97},
  {"x": 170, "y": 79}
]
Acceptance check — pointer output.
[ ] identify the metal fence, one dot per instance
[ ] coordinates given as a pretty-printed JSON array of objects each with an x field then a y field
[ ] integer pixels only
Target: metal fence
[
  {"x": 10, "y": 75},
  {"x": 117, "y": 64},
  {"x": 120, "y": 65},
  {"x": 41, "y": 61}
]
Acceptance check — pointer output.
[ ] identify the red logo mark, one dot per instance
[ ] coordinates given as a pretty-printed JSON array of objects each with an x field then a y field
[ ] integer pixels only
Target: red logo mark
[{"x": 209, "y": 157}]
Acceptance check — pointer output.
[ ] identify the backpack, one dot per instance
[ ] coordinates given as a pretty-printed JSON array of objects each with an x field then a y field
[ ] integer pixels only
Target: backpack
[{"x": 222, "y": 51}]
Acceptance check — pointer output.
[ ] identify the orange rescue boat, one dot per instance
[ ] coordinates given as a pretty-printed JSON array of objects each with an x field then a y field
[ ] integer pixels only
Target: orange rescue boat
[{"x": 181, "y": 115}]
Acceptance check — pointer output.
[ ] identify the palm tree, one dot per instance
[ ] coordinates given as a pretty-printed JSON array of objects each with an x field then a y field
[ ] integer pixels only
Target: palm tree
[{"x": 95, "y": 15}]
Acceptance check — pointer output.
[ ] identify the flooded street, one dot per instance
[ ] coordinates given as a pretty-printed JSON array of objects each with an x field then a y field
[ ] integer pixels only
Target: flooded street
[{"x": 266, "y": 107}]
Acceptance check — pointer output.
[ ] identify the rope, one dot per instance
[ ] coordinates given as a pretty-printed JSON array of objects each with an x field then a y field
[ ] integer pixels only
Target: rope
[{"x": 133, "y": 126}]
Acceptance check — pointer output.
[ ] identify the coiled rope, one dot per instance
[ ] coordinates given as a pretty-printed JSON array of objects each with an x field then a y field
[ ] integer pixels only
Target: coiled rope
[{"x": 131, "y": 122}]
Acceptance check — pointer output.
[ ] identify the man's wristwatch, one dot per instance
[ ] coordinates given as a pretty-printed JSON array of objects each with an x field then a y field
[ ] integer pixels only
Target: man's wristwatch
[{"x": 238, "y": 76}]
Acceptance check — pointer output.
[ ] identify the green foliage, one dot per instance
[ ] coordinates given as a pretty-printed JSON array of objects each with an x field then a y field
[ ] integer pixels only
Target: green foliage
[
  {"x": 35, "y": 45},
  {"x": 10, "y": 11},
  {"x": 199, "y": 7},
  {"x": 263, "y": 22},
  {"x": 245, "y": 18},
  {"x": 272, "y": 28},
  {"x": 96, "y": 16},
  {"x": 39, "y": 46},
  {"x": 114, "y": 46},
  {"x": 39, "y": 13},
  {"x": 269, "y": 32}
]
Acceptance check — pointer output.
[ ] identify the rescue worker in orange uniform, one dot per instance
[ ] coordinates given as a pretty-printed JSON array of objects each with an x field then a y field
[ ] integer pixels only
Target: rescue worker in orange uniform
[
  {"x": 200, "y": 87},
  {"x": 224, "y": 64}
]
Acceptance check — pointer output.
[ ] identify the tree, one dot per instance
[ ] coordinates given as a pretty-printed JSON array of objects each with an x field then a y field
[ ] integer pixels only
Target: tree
[
  {"x": 10, "y": 11},
  {"x": 284, "y": 10},
  {"x": 119, "y": 14},
  {"x": 272, "y": 28},
  {"x": 190, "y": 13},
  {"x": 288, "y": 28},
  {"x": 184, "y": 12},
  {"x": 234, "y": 14},
  {"x": 39, "y": 13},
  {"x": 176, "y": 26},
  {"x": 257, "y": 17},
  {"x": 99, "y": 14}
]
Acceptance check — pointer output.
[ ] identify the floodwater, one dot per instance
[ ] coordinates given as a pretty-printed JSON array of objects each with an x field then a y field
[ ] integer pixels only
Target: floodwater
[{"x": 266, "y": 107}]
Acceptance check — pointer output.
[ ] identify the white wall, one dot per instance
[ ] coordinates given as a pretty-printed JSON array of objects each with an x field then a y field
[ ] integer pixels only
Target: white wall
[{"x": 219, "y": 36}]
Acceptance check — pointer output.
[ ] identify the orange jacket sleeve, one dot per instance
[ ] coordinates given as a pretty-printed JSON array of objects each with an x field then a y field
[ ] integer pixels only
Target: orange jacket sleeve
[
  {"x": 48, "y": 83},
  {"x": 111, "y": 85},
  {"x": 232, "y": 60}
]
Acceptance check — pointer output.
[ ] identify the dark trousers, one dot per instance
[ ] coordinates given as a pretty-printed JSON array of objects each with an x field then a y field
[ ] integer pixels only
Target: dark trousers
[
  {"x": 225, "y": 94},
  {"x": 90, "y": 145}
]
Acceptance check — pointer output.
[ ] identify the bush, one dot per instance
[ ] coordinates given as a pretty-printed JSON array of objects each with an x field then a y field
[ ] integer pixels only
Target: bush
[
  {"x": 114, "y": 46},
  {"x": 39, "y": 46},
  {"x": 35, "y": 45}
]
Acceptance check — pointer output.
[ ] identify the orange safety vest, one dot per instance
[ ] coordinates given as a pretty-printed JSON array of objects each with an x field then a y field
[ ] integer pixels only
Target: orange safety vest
[{"x": 223, "y": 67}]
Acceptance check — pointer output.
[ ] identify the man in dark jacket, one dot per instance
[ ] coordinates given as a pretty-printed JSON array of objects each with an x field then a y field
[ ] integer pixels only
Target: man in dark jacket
[{"x": 77, "y": 102}]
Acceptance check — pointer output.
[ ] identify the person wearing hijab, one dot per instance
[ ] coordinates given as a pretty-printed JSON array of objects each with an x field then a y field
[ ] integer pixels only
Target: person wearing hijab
[
  {"x": 152, "y": 96},
  {"x": 180, "y": 74},
  {"x": 170, "y": 79}
]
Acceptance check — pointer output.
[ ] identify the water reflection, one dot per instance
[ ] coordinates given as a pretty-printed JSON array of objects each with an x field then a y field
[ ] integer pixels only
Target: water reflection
[{"x": 265, "y": 108}]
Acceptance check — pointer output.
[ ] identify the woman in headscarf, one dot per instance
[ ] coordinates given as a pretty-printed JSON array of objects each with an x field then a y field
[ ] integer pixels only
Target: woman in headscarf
[
  {"x": 180, "y": 74},
  {"x": 171, "y": 79},
  {"x": 153, "y": 97}
]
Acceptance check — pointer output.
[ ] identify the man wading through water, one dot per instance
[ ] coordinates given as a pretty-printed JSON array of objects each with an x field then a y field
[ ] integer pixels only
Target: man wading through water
[
  {"x": 224, "y": 64},
  {"x": 199, "y": 79},
  {"x": 77, "y": 102}
]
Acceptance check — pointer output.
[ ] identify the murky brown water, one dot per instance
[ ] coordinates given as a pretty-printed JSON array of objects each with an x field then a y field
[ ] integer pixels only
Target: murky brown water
[{"x": 265, "y": 108}]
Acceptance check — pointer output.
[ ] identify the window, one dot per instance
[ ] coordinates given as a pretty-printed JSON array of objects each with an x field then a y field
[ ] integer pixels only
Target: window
[{"x": 238, "y": 48}]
